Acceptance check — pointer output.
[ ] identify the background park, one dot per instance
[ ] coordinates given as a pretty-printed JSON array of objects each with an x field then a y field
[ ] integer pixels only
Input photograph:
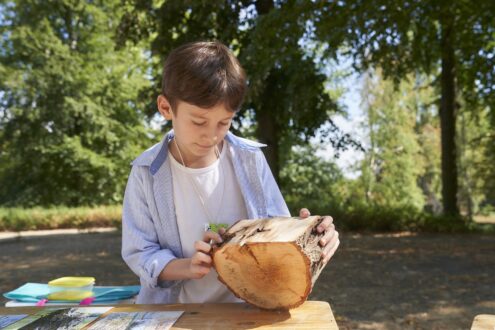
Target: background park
[{"x": 380, "y": 113}]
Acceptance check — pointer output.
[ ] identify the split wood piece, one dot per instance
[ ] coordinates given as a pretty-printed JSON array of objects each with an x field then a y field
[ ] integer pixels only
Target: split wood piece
[{"x": 271, "y": 263}]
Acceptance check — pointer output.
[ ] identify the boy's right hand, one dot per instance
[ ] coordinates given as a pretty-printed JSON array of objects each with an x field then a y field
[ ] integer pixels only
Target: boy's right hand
[{"x": 201, "y": 261}]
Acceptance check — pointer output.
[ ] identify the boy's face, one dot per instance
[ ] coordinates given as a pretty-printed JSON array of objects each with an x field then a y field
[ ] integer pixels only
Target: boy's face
[{"x": 197, "y": 130}]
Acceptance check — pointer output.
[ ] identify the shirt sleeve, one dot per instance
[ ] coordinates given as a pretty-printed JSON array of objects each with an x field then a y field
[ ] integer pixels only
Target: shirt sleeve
[
  {"x": 275, "y": 203},
  {"x": 140, "y": 247}
]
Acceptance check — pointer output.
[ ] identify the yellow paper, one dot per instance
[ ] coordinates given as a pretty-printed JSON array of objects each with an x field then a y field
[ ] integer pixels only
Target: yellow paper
[
  {"x": 70, "y": 295},
  {"x": 72, "y": 281}
]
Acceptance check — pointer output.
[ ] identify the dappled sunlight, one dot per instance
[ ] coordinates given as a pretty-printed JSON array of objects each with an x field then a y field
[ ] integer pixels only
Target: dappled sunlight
[
  {"x": 373, "y": 325},
  {"x": 393, "y": 251},
  {"x": 487, "y": 304},
  {"x": 399, "y": 234},
  {"x": 422, "y": 281},
  {"x": 484, "y": 218},
  {"x": 22, "y": 264},
  {"x": 31, "y": 248},
  {"x": 447, "y": 310}
]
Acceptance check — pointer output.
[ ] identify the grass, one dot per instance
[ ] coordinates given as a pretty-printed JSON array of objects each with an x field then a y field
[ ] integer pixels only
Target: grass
[
  {"x": 380, "y": 219},
  {"x": 37, "y": 218},
  {"x": 356, "y": 218}
]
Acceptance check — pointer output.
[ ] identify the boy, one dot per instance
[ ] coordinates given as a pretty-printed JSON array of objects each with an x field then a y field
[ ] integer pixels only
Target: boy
[{"x": 199, "y": 175}]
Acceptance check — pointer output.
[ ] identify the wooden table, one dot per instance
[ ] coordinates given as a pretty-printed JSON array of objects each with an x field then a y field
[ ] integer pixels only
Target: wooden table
[
  {"x": 484, "y": 322},
  {"x": 310, "y": 315}
]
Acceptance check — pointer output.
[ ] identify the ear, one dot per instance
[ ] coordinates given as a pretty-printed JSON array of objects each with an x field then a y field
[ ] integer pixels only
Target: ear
[{"x": 164, "y": 107}]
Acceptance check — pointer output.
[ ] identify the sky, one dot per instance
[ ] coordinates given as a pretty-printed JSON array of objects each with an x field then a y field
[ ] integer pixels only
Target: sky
[{"x": 351, "y": 101}]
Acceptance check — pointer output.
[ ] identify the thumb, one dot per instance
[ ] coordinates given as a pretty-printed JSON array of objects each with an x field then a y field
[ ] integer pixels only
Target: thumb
[{"x": 304, "y": 213}]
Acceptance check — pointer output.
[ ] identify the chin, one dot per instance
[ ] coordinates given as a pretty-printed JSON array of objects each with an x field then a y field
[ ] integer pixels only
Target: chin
[{"x": 203, "y": 149}]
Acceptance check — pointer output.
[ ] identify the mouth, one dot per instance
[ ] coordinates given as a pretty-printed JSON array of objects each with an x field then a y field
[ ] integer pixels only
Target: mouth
[{"x": 205, "y": 147}]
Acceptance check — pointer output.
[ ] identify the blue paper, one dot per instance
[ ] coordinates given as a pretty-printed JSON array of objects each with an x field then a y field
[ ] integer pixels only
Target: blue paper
[{"x": 33, "y": 292}]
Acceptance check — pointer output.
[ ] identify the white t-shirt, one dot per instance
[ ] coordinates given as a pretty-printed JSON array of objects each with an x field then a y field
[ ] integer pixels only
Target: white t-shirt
[{"x": 220, "y": 191}]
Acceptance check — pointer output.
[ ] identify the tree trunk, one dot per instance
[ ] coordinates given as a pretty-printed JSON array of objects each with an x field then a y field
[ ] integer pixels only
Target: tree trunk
[
  {"x": 270, "y": 263},
  {"x": 267, "y": 130},
  {"x": 267, "y": 133},
  {"x": 447, "y": 122}
]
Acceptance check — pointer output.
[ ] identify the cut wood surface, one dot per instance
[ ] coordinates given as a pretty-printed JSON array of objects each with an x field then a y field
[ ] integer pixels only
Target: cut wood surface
[
  {"x": 483, "y": 322},
  {"x": 271, "y": 263}
]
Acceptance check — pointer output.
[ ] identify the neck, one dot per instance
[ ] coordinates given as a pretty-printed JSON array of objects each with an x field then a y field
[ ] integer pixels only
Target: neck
[{"x": 191, "y": 161}]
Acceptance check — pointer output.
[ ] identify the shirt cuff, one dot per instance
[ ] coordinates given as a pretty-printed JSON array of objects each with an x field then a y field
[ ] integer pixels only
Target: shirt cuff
[{"x": 152, "y": 269}]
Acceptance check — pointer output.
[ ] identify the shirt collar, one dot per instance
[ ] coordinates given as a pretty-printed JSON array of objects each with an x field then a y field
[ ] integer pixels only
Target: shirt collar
[{"x": 156, "y": 155}]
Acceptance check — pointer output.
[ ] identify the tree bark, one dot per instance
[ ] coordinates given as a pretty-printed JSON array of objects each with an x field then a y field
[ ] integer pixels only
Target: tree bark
[
  {"x": 267, "y": 133},
  {"x": 448, "y": 121},
  {"x": 270, "y": 263}
]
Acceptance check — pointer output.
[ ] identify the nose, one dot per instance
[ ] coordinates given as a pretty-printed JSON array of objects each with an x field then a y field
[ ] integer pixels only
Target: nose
[{"x": 210, "y": 137}]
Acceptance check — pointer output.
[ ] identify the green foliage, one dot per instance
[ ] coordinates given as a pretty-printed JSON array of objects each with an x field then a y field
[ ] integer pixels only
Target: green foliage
[
  {"x": 287, "y": 100},
  {"x": 476, "y": 142},
  {"x": 404, "y": 37},
  {"x": 70, "y": 124},
  {"x": 355, "y": 217},
  {"x": 215, "y": 227},
  {"x": 452, "y": 40},
  {"x": 362, "y": 217},
  {"x": 428, "y": 136},
  {"x": 309, "y": 181},
  {"x": 19, "y": 219},
  {"x": 73, "y": 106},
  {"x": 392, "y": 164}
]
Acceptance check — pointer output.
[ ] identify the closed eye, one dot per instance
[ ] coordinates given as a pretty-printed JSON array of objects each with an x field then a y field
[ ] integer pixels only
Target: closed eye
[
  {"x": 199, "y": 123},
  {"x": 225, "y": 123}
]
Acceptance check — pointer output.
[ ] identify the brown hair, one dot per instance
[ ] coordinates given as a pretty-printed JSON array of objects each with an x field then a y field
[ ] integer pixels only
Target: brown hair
[{"x": 204, "y": 74}]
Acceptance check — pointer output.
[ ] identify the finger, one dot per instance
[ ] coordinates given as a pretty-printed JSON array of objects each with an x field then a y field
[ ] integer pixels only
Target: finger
[
  {"x": 331, "y": 253},
  {"x": 222, "y": 231},
  {"x": 199, "y": 271},
  {"x": 329, "y": 233},
  {"x": 330, "y": 249},
  {"x": 325, "y": 223},
  {"x": 209, "y": 236},
  {"x": 201, "y": 246},
  {"x": 200, "y": 258},
  {"x": 331, "y": 243},
  {"x": 304, "y": 213}
]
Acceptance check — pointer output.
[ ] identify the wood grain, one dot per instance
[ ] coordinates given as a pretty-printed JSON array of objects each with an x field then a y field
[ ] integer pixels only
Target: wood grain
[
  {"x": 311, "y": 315},
  {"x": 271, "y": 263}
]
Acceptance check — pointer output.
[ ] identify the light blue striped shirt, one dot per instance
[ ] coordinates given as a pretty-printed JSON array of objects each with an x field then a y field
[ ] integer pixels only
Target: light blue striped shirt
[{"x": 150, "y": 236}]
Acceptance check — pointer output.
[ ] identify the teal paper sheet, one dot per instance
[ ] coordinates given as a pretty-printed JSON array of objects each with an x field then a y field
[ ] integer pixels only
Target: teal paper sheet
[{"x": 33, "y": 292}]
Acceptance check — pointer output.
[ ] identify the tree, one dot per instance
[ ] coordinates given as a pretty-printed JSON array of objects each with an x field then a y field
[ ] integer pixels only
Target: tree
[
  {"x": 309, "y": 180},
  {"x": 70, "y": 125},
  {"x": 392, "y": 165},
  {"x": 427, "y": 129},
  {"x": 287, "y": 97},
  {"x": 453, "y": 40},
  {"x": 476, "y": 158}
]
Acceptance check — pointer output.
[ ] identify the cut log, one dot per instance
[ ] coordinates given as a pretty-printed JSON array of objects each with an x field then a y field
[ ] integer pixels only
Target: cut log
[{"x": 270, "y": 263}]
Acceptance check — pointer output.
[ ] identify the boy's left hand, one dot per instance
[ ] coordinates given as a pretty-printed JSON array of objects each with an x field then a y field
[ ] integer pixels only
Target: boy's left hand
[{"x": 330, "y": 241}]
